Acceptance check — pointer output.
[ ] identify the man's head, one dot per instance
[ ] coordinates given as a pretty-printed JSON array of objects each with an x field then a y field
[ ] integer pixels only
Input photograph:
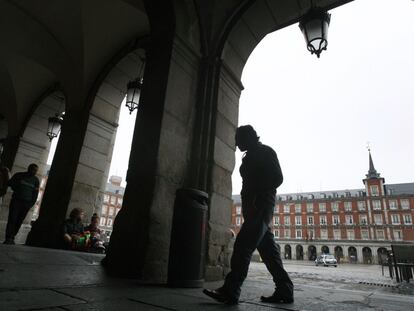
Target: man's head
[
  {"x": 32, "y": 169},
  {"x": 95, "y": 220},
  {"x": 246, "y": 137},
  {"x": 77, "y": 214}
]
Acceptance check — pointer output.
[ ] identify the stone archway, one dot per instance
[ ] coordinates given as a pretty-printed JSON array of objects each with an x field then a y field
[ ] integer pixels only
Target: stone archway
[
  {"x": 311, "y": 252},
  {"x": 382, "y": 255},
  {"x": 366, "y": 255},
  {"x": 352, "y": 254},
  {"x": 339, "y": 253},
  {"x": 299, "y": 252},
  {"x": 325, "y": 249},
  {"x": 288, "y": 252}
]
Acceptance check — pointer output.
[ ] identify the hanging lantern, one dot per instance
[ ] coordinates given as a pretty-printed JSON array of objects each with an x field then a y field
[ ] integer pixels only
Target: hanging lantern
[
  {"x": 314, "y": 26},
  {"x": 133, "y": 94},
  {"x": 54, "y": 126}
]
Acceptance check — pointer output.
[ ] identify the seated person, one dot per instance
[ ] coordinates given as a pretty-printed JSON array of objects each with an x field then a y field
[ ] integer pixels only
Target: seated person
[
  {"x": 73, "y": 233},
  {"x": 96, "y": 242}
]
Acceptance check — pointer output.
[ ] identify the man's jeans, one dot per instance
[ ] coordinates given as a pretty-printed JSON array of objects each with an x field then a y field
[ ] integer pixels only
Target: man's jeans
[{"x": 17, "y": 212}]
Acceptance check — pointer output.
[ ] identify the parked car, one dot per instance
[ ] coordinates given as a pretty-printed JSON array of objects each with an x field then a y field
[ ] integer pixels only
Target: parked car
[{"x": 326, "y": 260}]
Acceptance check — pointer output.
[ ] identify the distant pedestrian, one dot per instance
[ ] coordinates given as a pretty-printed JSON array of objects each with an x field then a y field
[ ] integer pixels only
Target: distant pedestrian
[
  {"x": 25, "y": 186},
  {"x": 261, "y": 174}
]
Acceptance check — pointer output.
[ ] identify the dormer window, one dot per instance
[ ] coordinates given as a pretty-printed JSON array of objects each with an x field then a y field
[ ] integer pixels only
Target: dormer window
[{"x": 374, "y": 190}]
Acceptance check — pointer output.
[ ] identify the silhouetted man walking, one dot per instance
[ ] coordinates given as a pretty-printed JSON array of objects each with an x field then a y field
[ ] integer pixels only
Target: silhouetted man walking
[
  {"x": 25, "y": 186},
  {"x": 261, "y": 175}
]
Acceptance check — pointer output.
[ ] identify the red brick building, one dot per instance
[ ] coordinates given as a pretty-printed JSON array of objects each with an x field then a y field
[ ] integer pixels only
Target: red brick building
[{"x": 355, "y": 225}]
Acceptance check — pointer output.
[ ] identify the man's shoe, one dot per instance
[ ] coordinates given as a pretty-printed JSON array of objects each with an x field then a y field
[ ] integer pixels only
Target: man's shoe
[
  {"x": 277, "y": 298},
  {"x": 219, "y": 296}
]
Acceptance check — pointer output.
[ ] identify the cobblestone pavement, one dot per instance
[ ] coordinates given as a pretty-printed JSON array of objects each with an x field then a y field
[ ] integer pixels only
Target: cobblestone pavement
[{"x": 45, "y": 279}]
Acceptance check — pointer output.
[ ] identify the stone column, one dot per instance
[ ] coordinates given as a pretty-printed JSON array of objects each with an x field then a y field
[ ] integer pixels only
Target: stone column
[
  {"x": 46, "y": 230},
  {"x": 10, "y": 146}
]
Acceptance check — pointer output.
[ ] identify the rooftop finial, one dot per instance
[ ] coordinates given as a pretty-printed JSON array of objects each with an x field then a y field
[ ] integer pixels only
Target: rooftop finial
[{"x": 372, "y": 172}]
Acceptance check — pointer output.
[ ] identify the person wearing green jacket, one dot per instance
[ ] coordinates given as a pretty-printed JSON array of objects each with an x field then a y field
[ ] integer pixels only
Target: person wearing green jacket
[{"x": 25, "y": 186}]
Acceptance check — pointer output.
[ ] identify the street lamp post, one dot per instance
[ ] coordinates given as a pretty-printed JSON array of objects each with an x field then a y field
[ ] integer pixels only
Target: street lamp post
[{"x": 54, "y": 126}]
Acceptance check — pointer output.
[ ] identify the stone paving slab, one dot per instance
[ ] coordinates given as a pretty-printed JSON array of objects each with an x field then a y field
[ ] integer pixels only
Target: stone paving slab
[{"x": 31, "y": 299}]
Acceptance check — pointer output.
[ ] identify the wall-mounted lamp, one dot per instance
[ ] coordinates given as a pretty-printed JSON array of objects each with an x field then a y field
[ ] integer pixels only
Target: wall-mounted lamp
[
  {"x": 134, "y": 88},
  {"x": 54, "y": 125},
  {"x": 314, "y": 26}
]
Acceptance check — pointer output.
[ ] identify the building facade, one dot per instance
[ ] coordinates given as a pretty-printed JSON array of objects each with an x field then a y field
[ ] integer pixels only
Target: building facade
[
  {"x": 112, "y": 202},
  {"x": 356, "y": 225}
]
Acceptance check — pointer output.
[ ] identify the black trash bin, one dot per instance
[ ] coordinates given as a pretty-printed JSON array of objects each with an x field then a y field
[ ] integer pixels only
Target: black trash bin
[{"x": 188, "y": 239}]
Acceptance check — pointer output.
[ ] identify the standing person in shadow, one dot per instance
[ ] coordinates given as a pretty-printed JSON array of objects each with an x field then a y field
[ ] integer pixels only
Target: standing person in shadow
[
  {"x": 261, "y": 174},
  {"x": 25, "y": 186}
]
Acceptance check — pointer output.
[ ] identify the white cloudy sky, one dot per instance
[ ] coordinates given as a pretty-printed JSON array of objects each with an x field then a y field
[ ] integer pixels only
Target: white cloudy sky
[{"x": 319, "y": 114}]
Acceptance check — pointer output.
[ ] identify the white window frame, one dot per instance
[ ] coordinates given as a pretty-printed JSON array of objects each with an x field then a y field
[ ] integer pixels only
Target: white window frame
[
  {"x": 298, "y": 220},
  {"x": 363, "y": 219},
  {"x": 376, "y": 205},
  {"x": 364, "y": 235},
  {"x": 335, "y": 206},
  {"x": 109, "y": 222},
  {"x": 310, "y": 220},
  {"x": 335, "y": 219},
  {"x": 361, "y": 205},
  {"x": 374, "y": 190},
  {"x": 238, "y": 221},
  {"x": 348, "y": 206},
  {"x": 324, "y": 234},
  {"x": 382, "y": 233},
  {"x": 238, "y": 210},
  {"x": 349, "y": 219},
  {"x": 395, "y": 219},
  {"x": 322, "y": 207},
  {"x": 392, "y": 204},
  {"x": 408, "y": 220},
  {"x": 286, "y": 209},
  {"x": 322, "y": 220},
  {"x": 298, "y": 208},
  {"x": 298, "y": 234},
  {"x": 287, "y": 233},
  {"x": 309, "y": 207},
  {"x": 376, "y": 217},
  {"x": 398, "y": 237},
  {"x": 350, "y": 234},
  {"x": 287, "y": 221},
  {"x": 276, "y": 233},
  {"x": 337, "y": 234},
  {"x": 405, "y": 204},
  {"x": 276, "y": 220}
]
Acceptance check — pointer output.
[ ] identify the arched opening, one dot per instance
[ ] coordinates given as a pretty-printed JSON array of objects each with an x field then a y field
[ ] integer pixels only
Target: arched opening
[
  {"x": 299, "y": 252},
  {"x": 366, "y": 255},
  {"x": 339, "y": 254},
  {"x": 288, "y": 252},
  {"x": 352, "y": 254},
  {"x": 382, "y": 255},
  {"x": 325, "y": 249},
  {"x": 311, "y": 252}
]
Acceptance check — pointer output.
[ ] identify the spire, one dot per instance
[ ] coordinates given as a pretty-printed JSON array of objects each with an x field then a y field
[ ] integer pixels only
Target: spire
[{"x": 372, "y": 172}]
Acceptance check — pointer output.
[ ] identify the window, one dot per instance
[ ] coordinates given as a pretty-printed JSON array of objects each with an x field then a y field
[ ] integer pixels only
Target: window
[
  {"x": 309, "y": 207},
  {"x": 378, "y": 219},
  {"x": 286, "y": 209},
  {"x": 298, "y": 234},
  {"x": 276, "y": 234},
  {"x": 380, "y": 234},
  {"x": 392, "y": 204},
  {"x": 111, "y": 211},
  {"x": 238, "y": 221},
  {"x": 311, "y": 234},
  {"x": 335, "y": 206},
  {"x": 287, "y": 221},
  {"x": 113, "y": 200},
  {"x": 322, "y": 207},
  {"x": 106, "y": 198},
  {"x": 322, "y": 219},
  {"x": 335, "y": 219},
  {"x": 398, "y": 235},
  {"x": 276, "y": 209},
  {"x": 337, "y": 234},
  {"x": 364, "y": 235},
  {"x": 238, "y": 210},
  {"x": 407, "y": 219},
  {"x": 361, "y": 205},
  {"x": 395, "y": 219},
  {"x": 374, "y": 190},
  {"x": 287, "y": 233},
  {"x": 350, "y": 234},
  {"x": 348, "y": 206},
  {"x": 119, "y": 201},
  {"x": 298, "y": 220},
  {"x": 363, "y": 219},
  {"x": 298, "y": 208},
  {"x": 117, "y": 211},
  {"x": 109, "y": 222},
  {"x": 349, "y": 219},
  {"x": 104, "y": 209},
  {"x": 276, "y": 220},
  {"x": 102, "y": 221},
  {"x": 376, "y": 204},
  {"x": 310, "y": 220},
  {"x": 405, "y": 204},
  {"x": 324, "y": 234}
]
